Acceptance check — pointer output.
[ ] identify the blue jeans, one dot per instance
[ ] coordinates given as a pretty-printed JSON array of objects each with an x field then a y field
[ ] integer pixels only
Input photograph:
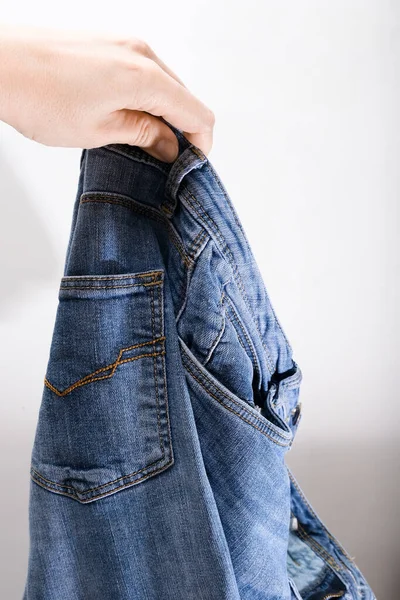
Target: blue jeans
[{"x": 170, "y": 400}]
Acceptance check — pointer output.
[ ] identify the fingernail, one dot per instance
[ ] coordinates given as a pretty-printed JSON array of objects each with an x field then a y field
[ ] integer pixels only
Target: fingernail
[{"x": 165, "y": 149}]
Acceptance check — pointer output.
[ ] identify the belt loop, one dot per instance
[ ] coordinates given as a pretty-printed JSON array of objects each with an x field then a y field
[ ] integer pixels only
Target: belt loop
[{"x": 190, "y": 158}]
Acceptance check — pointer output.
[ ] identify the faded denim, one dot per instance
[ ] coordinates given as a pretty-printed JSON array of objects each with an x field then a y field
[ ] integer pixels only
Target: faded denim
[{"x": 170, "y": 400}]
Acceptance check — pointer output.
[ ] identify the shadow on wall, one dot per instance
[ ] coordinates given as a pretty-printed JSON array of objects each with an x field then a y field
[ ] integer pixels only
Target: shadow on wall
[
  {"x": 26, "y": 252},
  {"x": 354, "y": 489}
]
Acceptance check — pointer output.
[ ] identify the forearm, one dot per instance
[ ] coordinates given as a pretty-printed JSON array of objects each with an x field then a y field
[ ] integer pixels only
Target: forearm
[{"x": 22, "y": 65}]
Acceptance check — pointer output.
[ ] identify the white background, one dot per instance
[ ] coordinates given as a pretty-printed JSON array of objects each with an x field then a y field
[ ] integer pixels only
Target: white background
[{"x": 306, "y": 98}]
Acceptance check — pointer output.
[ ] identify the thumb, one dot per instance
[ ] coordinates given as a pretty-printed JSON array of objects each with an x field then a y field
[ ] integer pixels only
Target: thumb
[{"x": 141, "y": 129}]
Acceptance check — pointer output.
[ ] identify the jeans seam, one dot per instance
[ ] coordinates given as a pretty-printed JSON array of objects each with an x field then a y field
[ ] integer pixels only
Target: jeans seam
[
  {"x": 218, "y": 336},
  {"x": 318, "y": 548},
  {"x": 136, "y": 154},
  {"x": 132, "y": 204},
  {"x": 209, "y": 166},
  {"x": 215, "y": 393},
  {"x": 227, "y": 251},
  {"x": 195, "y": 245},
  {"x": 90, "y": 377},
  {"x": 161, "y": 442},
  {"x": 143, "y": 275},
  {"x": 316, "y": 516},
  {"x": 166, "y": 402},
  {"x": 75, "y": 494},
  {"x": 239, "y": 323},
  {"x": 189, "y": 273},
  {"x": 107, "y": 287}
]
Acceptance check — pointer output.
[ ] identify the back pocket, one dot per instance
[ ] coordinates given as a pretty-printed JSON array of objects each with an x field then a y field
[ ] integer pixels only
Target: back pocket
[{"x": 103, "y": 422}]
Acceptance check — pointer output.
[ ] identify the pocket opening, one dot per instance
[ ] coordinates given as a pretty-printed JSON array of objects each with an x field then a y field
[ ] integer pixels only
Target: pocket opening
[{"x": 219, "y": 393}]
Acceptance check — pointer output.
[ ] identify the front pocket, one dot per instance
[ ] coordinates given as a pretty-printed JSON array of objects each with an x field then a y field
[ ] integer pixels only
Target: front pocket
[
  {"x": 283, "y": 398},
  {"x": 199, "y": 377},
  {"x": 103, "y": 421}
]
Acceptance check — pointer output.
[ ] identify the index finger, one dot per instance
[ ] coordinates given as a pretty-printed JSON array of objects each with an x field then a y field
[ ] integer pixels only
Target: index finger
[{"x": 161, "y": 94}]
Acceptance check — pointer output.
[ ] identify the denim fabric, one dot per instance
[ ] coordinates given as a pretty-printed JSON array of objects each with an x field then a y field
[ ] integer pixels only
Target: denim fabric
[{"x": 170, "y": 400}]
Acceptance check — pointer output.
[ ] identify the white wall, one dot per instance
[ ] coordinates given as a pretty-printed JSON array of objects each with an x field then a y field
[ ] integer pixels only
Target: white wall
[{"x": 306, "y": 97}]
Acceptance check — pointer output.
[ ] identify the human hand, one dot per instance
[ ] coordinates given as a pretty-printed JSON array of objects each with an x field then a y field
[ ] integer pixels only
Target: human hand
[{"x": 86, "y": 90}]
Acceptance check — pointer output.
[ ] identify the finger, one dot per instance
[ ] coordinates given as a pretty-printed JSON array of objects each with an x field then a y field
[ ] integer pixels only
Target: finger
[
  {"x": 174, "y": 102},
  {"x": 149, "y": 52},
  {"x": 204, "y": 141},
  {"x": 198, "y": 139},
  {"x": 141, "y": 129}
]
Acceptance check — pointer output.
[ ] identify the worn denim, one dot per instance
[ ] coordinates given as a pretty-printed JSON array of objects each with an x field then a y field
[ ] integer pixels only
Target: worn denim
[{"x": 170, "y": 400}]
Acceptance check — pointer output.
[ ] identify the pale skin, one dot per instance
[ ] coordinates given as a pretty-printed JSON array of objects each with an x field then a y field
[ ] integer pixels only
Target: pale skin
[{"x": 85, "y": 90}]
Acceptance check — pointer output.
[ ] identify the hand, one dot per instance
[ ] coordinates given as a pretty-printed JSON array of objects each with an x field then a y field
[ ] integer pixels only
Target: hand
[{"x": 85, "y": 90}]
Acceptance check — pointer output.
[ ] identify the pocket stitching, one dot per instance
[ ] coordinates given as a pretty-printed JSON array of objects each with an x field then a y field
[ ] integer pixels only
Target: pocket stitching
[
  {"x": 82, "y": 496},
  {"x": 107, "y": 287},
  {"x": 142, "y": 275},
  {"x": 233, "y": 411},
  {"x": 76, "y": 495},
  {"x": 154, "y": 364},
  {"x": 90, "y": 378},
  {"x": 285, "y": 441},
  {"x": 135, "y": 205}
]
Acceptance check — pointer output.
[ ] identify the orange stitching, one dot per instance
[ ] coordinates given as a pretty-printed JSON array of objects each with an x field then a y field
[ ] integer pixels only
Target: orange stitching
[
  {"x": 162, "y": 468},
  {"x": 160, "y": 339},
  {"x": 230, "y": 409},
  {"x": 329, "y": 596},
  {"x": 101, "y": 278},
  {"x": 161, "y": 442},
  {"x": 91, "y": 377},
  {"x": 167, "y": 411},
  {"x": 152, "y": 312},
  {"x": 334, "y": 540},
  {"x": 107, "y": 287},
  {"x": 80, "y": 383},
  {"x": 147, "y": 211},
  {"x": 196, "y": 243},
  {"x": 318, "y": 548},
  {"x": 134, "y": 154},
  {"x": 160, "y": 353},
  {"x": 151, "y": 342},
  {"x": 161, "y": 309}
]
